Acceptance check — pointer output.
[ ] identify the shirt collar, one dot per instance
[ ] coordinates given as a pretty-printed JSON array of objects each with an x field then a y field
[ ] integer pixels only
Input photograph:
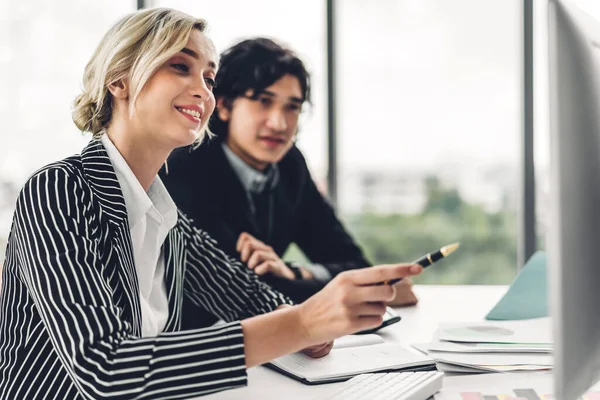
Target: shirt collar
[
  {"x": 156, "y": 202},
  {"x": 252, "y": 180}
]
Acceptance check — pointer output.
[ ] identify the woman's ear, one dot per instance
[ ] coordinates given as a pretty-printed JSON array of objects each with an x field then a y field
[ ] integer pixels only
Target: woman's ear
[
  {"x": 222, "y": 110},
  {"x": 119, "y": 90}
]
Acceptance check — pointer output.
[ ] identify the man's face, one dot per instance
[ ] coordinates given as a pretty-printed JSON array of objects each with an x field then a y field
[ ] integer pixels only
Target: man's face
[{"x": 262, "y": 128}]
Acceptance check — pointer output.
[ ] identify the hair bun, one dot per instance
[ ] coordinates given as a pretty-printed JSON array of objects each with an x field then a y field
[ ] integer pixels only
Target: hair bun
[{"x": 83, "y": 112}]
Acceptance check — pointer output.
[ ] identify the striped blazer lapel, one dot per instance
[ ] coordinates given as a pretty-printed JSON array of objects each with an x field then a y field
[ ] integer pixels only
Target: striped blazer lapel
[
  {"x": 175, "y": 258},
  {"x": 102, "y": 178}
]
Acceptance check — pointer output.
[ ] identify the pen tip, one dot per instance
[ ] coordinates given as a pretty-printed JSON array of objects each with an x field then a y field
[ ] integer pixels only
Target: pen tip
[{"x": 450, "y": 248}]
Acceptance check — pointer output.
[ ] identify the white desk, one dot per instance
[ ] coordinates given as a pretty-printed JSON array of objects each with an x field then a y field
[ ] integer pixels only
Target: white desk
[{"x": 436, "y": 304}]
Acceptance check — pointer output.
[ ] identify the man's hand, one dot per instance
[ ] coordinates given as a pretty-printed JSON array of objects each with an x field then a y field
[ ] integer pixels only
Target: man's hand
[
  {"x": 404, "y": 294},
  {"x": 261, "y": 258}
]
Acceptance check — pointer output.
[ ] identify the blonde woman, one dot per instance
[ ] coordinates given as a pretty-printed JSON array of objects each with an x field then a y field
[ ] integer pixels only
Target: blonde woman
[{"x": 99, "y": 260}]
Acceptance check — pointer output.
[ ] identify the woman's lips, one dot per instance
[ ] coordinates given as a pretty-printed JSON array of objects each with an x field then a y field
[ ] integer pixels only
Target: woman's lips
[{"x": 192, "y": 113}]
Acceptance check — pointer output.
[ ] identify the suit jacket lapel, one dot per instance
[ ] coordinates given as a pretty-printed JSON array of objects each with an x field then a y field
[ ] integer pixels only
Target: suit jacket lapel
[
  {"x": 175, "y": 259},
  {"x": 102, "y": 179}
]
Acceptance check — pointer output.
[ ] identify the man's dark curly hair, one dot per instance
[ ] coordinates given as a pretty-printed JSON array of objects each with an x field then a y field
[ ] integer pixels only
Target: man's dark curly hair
[{"x": 254, "y": 64}]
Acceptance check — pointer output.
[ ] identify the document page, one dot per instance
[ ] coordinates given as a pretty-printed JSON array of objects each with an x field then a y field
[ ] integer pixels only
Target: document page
[
  {"x": 537, "y": 331},
  {"x": 351, "y": 361},
  {"x": 357, "y": 341}
]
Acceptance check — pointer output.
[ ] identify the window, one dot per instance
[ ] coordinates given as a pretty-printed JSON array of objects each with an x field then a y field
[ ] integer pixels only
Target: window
[
  {"x": 429, "y": 132},
  {"x": 44, "y": 47}
]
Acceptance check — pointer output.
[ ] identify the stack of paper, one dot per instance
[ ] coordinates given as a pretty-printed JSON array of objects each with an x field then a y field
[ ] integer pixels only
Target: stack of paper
[{"x": 492, "y": 346}]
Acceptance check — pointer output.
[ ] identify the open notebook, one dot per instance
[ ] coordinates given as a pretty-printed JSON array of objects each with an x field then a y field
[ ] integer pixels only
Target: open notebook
[{"x": 351, "y": 356}]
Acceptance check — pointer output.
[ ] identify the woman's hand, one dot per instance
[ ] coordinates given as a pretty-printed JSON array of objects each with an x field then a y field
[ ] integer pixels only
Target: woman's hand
[
  {"x": 319, "y": 350},
  {"x": 404, "y": 294},
  {"x": 261, "y": 257},
  {"x": 351, "y": 302},
  {"x": 316, "y": 351}
]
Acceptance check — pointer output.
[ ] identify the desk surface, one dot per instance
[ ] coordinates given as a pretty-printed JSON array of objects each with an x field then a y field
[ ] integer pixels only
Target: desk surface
[{"x": 436, "y": 304}]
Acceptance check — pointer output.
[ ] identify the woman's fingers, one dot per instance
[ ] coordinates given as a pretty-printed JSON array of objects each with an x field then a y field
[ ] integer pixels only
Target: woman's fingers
[
  {"x": 362, "y": 323},
  {"x": 319, "y": 350},
  {"x": 370, "y": 310},
  {"x": 374, "y": 293},
  {"x": 352, "y": 301},
  {"x": 326, "y": 349},
  {"x": 383, "y": 273}
]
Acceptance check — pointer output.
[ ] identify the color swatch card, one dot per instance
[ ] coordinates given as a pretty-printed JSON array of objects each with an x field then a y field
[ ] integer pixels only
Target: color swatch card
[{"x": 511, "y": 386}]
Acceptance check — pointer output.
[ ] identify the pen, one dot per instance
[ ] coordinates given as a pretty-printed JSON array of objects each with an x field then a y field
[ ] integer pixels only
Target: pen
[{"x": 430, "y": 258}]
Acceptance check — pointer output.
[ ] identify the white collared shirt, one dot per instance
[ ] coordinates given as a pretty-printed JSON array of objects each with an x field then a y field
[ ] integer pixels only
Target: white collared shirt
[
  {"x": 252, "y": 179},
  {"x": 151, "y": 215}
]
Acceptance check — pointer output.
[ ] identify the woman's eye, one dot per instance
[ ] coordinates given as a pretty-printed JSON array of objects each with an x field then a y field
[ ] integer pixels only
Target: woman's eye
[
  {"x": 181, "y": 67},
  {"x": 294, "y": 107},
  {"x": 210, "y": 83}
]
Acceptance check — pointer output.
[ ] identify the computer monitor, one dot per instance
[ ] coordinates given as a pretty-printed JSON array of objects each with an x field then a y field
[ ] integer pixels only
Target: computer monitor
[{"x": 574, "y": 230}]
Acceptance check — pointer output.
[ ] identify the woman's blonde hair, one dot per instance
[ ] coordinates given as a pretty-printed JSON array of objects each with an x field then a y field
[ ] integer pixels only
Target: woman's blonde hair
[{"x": 132, "y": 50}]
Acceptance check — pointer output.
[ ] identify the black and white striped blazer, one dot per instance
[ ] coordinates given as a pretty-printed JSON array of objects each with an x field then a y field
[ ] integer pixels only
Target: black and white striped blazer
[{"x": 70, "y": 319}]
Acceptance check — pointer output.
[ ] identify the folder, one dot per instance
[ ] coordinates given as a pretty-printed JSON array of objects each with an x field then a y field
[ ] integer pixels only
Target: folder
[
  {"x": 527, "y": 296},
  {"x": 349, "y": 360}
]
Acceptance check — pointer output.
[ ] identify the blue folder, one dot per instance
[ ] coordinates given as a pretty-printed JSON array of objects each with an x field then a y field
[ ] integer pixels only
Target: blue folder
[{"x": 527, "y": 296}]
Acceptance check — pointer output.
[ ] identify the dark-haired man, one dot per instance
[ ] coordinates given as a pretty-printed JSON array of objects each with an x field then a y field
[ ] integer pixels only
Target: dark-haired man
[{"x": 250, "y": 188}]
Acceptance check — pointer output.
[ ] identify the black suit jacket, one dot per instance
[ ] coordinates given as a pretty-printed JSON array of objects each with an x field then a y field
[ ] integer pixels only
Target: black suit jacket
[{"x": 204, "y": 185}]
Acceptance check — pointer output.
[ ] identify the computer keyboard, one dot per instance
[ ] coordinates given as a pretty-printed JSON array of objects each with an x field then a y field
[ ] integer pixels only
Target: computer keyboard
[{"x": 391, "y": 386}]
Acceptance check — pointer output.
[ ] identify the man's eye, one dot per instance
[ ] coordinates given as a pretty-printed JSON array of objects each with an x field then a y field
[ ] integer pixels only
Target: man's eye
[
  {"x": 265, "y": 101},
  {"x": 181, "y": 67}
]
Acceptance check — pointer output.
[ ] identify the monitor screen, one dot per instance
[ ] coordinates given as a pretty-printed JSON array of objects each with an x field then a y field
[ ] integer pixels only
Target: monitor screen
[{"x": 574, "y": 228}]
